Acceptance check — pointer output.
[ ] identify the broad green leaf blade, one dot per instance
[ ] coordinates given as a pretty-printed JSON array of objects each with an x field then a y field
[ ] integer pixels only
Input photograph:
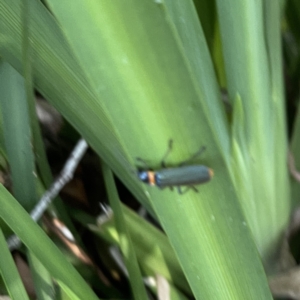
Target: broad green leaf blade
[
  {"x": 17, "y": 134},
  {"x": 149, "y": 89},
  {"x": 41, "y": 246},
  {"x": 135, "y": 277},
  {"x": 252, "y": 60},
  {"x": 9, "y": 272},
  {"x": 139, "y": 89},
  {"x": 196, "y": 54}
]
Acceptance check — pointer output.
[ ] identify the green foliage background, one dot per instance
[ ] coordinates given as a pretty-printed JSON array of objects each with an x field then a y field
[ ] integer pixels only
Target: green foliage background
[{"x": 130, "y": 75}]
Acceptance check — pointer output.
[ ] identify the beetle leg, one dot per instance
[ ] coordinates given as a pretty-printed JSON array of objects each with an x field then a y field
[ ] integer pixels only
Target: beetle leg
[
  {"x": 194, "y": 188},
  {"x": 181, "y": 192}
]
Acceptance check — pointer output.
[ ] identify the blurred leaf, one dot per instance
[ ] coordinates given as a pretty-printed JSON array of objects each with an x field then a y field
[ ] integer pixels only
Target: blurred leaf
[
  {"x": 42, "y": 280},
  {"x": 40, "y": 245},
  {"x": 17, "y": 134},
  {"x": 10, "y": 273},
  {"x": 154, "y": 258},
  {"x": 256, "y": 77},
  {"x": 128, "y": 251}
]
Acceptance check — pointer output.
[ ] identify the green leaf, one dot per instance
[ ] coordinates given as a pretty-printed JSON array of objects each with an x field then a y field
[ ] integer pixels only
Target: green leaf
[
  {"x": 41, "y": 246},
  {"x": 251, "y": 42},
  {"x": 42, "y": 280},
  {"x": 137, "y": 286},
  {"x": 54, "y": 60},
  {"x": 10, "y": 273},
  {"x": 17, "y": 135},
  {"x": 136, "y": 86},
  {"x": 154, "y": 258}
]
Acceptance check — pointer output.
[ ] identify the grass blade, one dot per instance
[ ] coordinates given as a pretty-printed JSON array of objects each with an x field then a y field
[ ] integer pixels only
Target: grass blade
[
  {"x": 17, "y": 133},
  {"x": 41, "y": 246},
  {"x": 126, "y": 245},
  {"x": 10, "y": 273},
  {"x": 254, "y": 77}
]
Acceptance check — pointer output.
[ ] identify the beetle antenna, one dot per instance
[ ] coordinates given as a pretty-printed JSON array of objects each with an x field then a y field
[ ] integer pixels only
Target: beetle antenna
[
  {"x": 146, "y": 167},
  {"x": 193, "y": 157},
  {"x": 170, "y": 148}
]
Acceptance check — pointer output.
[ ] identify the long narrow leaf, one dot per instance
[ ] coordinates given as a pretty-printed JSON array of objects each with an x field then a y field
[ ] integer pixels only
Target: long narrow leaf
[
  {"x": 43, "y": 284},
  {"x": 10, "y": 273},
  {"x": 41, "y": 246},
  {"x": 250, "y": 39},
  {"x": 17, "y": 133},
  {"x": 154, "y": 258},
  {"x": 126, "y": 245}
]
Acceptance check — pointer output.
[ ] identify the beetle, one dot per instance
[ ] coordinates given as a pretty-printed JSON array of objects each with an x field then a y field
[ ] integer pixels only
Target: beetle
[{"x": 183, "y": 175}]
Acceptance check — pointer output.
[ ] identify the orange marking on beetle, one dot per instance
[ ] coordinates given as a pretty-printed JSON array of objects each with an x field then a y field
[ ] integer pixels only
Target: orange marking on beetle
[{"x": 151, "y": 178}]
